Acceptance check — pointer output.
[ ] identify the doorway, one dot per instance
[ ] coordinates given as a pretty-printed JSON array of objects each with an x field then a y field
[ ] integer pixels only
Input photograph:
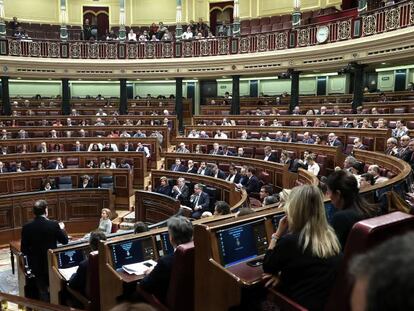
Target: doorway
[
  {"x": 98, "y": 18},
  {"x": 220, "y": 12}
]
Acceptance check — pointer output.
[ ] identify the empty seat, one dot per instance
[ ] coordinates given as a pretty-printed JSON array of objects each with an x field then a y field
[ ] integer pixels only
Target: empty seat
[
  {"x": 106, "y": 182},
  {"x": 65, "y": 182},
  {"x": 265, "y": 21},
  {"x": 256, "y": 29},
  {"x": 276, "y": 27},
  {"x": 400, "y": 110},
  {"x": 254, "y": 22},
  {"x": 275, "y": 19},
  {"x": 267, "y": 28},
  {"x": 72, "y": 162}
]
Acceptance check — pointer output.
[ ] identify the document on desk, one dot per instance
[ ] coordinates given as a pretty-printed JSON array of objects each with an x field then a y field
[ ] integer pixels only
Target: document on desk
[
  {"x": 68, "y": 272},
  {"x": 139, "y": 268}
]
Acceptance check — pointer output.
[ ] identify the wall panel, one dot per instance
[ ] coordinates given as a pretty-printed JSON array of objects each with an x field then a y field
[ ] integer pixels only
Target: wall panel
[
  {"x": 31, "y": 88},
  {"x": 41, "y": 11},
  {"x": 336, "y": 84},
  {"x": 386, "y": 80}
]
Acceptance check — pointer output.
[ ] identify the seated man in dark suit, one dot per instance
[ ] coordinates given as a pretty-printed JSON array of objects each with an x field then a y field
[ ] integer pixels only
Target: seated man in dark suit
[
  {"x": 78, "y": 146},
  {"x": 78, "y": 280},
  {"x": 18, "y": 167},
  {"x": 86, "y": 182},
  {"x": 216, "y": 150},
  {"x": 199, "y": 201},
  {"x": 234, "y": 175},
  {"x": 107, "y": 147},
  {"x": 157, "y": 280},
  {"x": 334, "y": 141},
  {"x": 269, "y": 155},
  {"x": 164, "y": 187},
  {"x": 252, "y": 184},
  {"x": 180, "y": 191},
  {"x": 203, "y": 169},
  {"x": 217, "y": 173},
  {"x": 57, "y": 165},
  {"x": 178, "y": 166},
  {"x": 191, "y": 168},
  {"x": 126, "y": 147},
  {"x": 227, "y": 152}
]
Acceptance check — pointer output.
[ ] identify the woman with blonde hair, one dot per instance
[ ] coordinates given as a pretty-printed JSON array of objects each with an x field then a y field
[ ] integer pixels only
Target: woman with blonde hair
[
  {"x": 105, "y": 223},
  {"x": 304, "y": 253}
]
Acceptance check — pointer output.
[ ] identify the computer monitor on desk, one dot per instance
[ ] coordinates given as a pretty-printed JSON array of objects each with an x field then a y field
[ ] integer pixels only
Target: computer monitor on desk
[
  {"x": 163, "y": 244},
  {"x": 241, "y": 243},
  {"x": 131, "y": 251},
  {"x": 70, "y": 258}
]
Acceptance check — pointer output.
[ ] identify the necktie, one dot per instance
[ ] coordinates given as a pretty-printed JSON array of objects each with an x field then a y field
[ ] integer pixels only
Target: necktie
[{"x": 196, "y": 200}]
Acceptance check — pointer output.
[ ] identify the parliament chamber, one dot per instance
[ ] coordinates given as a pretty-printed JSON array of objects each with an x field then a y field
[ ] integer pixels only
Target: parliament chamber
[{"x": 178, "y": 148}]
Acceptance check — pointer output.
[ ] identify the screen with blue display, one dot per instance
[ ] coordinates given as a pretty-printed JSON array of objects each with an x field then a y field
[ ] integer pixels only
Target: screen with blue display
[
  {"x": 131, "y": 251},
  {"x": 164, "y": 245},
  {"x": 242, "y": 242},
  {"x": 70, "y": 258},
  {"x": 276, "y": 218}
]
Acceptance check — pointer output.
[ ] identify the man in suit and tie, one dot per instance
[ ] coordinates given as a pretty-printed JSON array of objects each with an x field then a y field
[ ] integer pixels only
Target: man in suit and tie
[
  {"x": 191, "y": 168},
  {"x": 269, "y": 155},
  {"x": 307, "y": 139},
  {"x": 217, "y": 173},
  {"x": 3, "y": 169},
  {"x": 178, "y": 166},
  {"x": 18, "y": 167},
  {"x": 38, "y": 236},
  {"x": 199, "y": 201},
  {"x": 216, "y": 150},
  {"x": 127, "y": 147},
  {"x": 57, "y": 165},
  {"x": 78, "y": 147},
  {"x": 144, "y": 149},
  {"x": 203, "y": 169},
  {"x": 157, "y": 280},
  {"x": 334, "y": 141},
  {"x": 252, "y": 184},
  {"x": 181, "y": 192},
  {"x": 227, "y": 152},
  {"x": 233, "y": 176},
  {"x": 358, "y": 145},
  {"x": 240, "y": 152},
  {"x": 404, "y": 152}
]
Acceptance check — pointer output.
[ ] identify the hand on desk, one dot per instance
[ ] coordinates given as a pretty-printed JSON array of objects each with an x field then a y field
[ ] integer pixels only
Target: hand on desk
[
  {"x": 148, "y": 271},
  {"x": 271, "y": 280}
]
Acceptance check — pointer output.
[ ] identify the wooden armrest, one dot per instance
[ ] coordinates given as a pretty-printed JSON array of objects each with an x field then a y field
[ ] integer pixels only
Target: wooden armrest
[
  {"x": 151, "y": 299},
  {"x": 78, "y": 296},
  {"x": 285, "y": 303}
]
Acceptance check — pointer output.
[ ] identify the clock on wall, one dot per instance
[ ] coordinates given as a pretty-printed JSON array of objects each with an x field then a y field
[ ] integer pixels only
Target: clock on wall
[{"x": 322, "y": 34}]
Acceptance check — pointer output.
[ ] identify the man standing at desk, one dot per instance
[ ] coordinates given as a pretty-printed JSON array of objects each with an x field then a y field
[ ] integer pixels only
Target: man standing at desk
[
  {"x": 157, "y": 280},
  {"x": 38, "y": 236}
]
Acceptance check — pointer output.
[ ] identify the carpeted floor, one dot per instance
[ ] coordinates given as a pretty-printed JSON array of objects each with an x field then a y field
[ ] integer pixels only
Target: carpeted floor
[{"x": 8, "y": 281}]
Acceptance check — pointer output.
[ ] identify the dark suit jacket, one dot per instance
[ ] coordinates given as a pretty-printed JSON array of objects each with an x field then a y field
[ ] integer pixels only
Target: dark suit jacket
[
  {"x": 179, "y": 168},
  {"x": 130, "y": 148},
  {"x": 252, "y": 184},
  {"x": 405, "y": 154},
  {"x": 107, "y": 149},
  {"x": 336, "y": 142},
  {"x": 14, "y": 169},
  {"x": 207, "y": 171},
  {"x": 158, "y": 281},
  {"x": 203, "y": 201},
  {"x": 243, "y": 180},
  {"x": 78, "y": 279},
  {"x": 272, "y": 158},
  {"x": 184, "y": 196},
  {"x": 219, "y": 152},
  {"x": 166, "y": 190},
  {"x": 4, "y": 170},
  {"x": 38, "y": 236},
  {"x": 229, "y": 153},
  {"x": 236, "y": 178},
  {"x": 220, "y": 174},
  {"x": 81, "y": 148},
  {"x": 193, "y": 170},
  {"x": 52, "y": 166},
  {"x": 89, "y": 185}
]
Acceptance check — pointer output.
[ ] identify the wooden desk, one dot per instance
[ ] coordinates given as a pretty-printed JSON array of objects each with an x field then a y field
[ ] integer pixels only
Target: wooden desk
[
  {"x": 29, "y": 160},
  {"x": 33, "y": 145},
  {"x": 379, "y": 136},
  {"x": 154, "y": 207},
  {"x": 26, "y": 183},
  {"x": 90, "y": 131}
]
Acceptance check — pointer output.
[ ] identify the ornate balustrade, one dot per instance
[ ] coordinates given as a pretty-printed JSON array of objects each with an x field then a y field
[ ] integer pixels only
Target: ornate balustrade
[{"x": 375, "y": 22}]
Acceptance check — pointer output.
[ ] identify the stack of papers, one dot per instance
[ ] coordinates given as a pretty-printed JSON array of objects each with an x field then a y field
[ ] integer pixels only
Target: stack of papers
[
  {"x": 68, "y": 272},
  {"x": 139, "y": 268}
]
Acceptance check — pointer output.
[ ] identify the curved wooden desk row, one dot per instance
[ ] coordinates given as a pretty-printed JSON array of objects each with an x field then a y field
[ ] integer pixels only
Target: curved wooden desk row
[
  {"x": 375, "y": 139},
  {"x": 79, "y": 160},
  {"x": 79, "y": 209},
  {"x": 296, "y": 120},
  {"x": 90, "y": 131},
  {"x": 32, "y": 181},
  {"x": 255, "y": 148},
  {"x": 387, "y": 107},
  {"x": 91, "y": 120},
  {"x": 270, "y": 172},
  {"x": 395, "y": 96},
  {"x": 226, "y": 190},
  {"x": 69, "y": 145}
]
